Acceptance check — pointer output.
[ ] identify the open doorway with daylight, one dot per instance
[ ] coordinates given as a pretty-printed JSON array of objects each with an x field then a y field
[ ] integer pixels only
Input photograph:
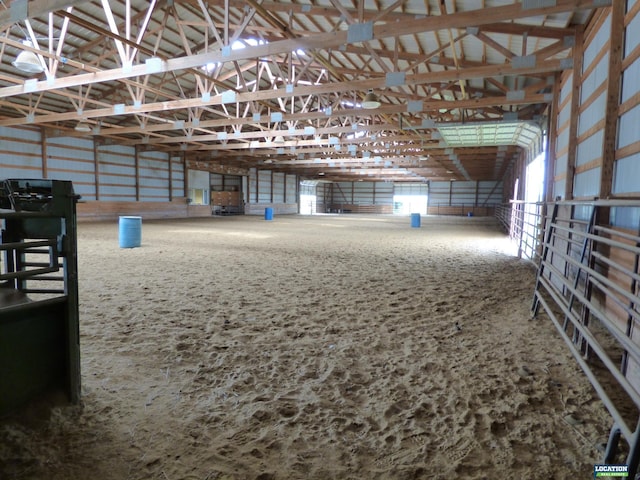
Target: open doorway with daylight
[
  {"x": 308, "y": 197},
  {"x": 532, "y": 211},
  {"x": 410, "y": 198}
]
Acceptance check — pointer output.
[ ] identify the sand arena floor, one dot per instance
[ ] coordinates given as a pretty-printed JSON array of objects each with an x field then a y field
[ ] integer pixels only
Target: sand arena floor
[{"x": 321, "y": 347}]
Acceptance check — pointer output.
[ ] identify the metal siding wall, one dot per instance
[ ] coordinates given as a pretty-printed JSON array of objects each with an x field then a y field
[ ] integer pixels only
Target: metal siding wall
[
  {"x": 363, "y": 193},
  {"x": 384, "y": 193},
  {"x": 264, "y": 186},
  {"x": 342, "y": 192},
  {"x": 439, "y": 193},
  {"x": 70, "y": 158},
  {"x": 593, "y": 114},
  {"x": 278, "y": 179},
  {"x": 629, "y": 121},
  {"x": 562, "y": 136},
  {"x": 177, "y": 176},
  {"x": 563, "y": 141},
  {"x": 117, "y": 173},
  {"x": 464, "y": 193},
  {"x": 410, "y": 189},
  {"x": 559, "y": 188},
  {"x": 632, "y": 32},
  {"x": 253, "y": 185},
  {"x": 154, "y": 176},
  {"x": 595, "y": 46},
  {"x": 626, "y": 178},
  {"x": 217, "y": 182},
  {"x": 567, "y": 88},
  {"x": 587, "y": 184},
  {"x": 590, "y": 149},
  {"x": 489, "y": 193},
  {"x": 627, "y": 175},
  {"x": 596, "y": 77},
  {"x": 290, "y": 188},
  {"x": 21, "y": 154}
]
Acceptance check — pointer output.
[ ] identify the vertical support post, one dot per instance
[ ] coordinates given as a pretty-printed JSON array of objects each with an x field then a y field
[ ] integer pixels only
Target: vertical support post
[
  {"x": 616, "y": 42},
  {"x": 96, "y": 166},
  {"x": 285, "y": 188},
  {"x": 136, "y": 161},
  {"x": 575, "y": 112},
  {"x": 185, "y": 176},
  {"x": 170, "y": 178},
  {"x": 550, "y": 167},
  {"x": 43, "y": 149}
]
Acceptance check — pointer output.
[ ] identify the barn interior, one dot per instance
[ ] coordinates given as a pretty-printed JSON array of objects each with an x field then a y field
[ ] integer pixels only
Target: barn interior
[{"x": 271, "y": 154}]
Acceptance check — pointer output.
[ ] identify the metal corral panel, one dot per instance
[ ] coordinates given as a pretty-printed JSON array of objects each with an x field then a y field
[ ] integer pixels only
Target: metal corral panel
[
  {"x": 278, "y": 180},
  {"x": 587, "y": 184},
  {"x": 291, "y": 195}
]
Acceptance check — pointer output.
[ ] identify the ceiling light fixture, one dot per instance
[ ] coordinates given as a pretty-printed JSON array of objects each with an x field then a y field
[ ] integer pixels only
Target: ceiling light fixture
[
  {"x": 370, "y": 100},
  {"x": 27, "y": 61},
  {"x": 83, "y": 127},
  {"x": 279, "y": 139}
]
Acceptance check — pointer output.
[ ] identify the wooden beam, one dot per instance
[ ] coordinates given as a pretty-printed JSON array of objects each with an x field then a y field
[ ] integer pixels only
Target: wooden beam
[
  {"x": 136, "y": 161},
  {"x": 614, "y": 81},
  {"x": 321, "y": 41},
  {"x": 546, "y": 66},
  {"x": 43, "y": 149},
  {"x": 552, "y": 138},
  {"x": 576, "y": 79},
  {"x": 96, "y": 167},
  {"x": 36, "y": 8}
]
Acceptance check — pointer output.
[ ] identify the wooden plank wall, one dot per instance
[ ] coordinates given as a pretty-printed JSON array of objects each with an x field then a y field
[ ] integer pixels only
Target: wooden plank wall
[{"x": 103, "y": 211}]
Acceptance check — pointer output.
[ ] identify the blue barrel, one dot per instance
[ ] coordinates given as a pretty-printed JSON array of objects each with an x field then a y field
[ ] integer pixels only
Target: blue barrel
[
  {"x": 268, "y": 213},
  {"x": 130, "y": 232},
  {"x": 415, "y": 220}
]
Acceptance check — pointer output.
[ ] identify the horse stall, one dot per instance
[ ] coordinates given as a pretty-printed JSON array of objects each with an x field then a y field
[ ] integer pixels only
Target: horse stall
[{"x": 39, "y": 340}]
